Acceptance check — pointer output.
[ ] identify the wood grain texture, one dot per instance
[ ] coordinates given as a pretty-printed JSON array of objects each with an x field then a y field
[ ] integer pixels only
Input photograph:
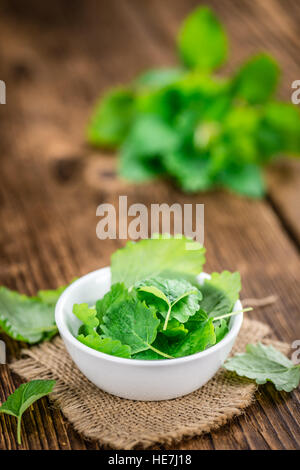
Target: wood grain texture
[{"x": 55, "y": 61}]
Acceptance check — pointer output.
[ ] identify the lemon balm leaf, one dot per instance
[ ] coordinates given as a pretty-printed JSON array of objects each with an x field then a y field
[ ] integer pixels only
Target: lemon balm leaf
[
  {"x": 86, "y": 315},
  {"x": 175, "y": 329},
  {"x": 132, "y": 323},
  {"x": 280, "y": 129},
  {"x": 29, "y": 318},
  {"x": 155, "y": 257},
  {"x": 196, "y": 320},
  {"x": 202, "y": 41},
  {"x": 244, "y": 179},
  {"x": 153, "y": 290},
  {"x": 140, "y": 140},
  {"x": 111, "y": 118},
  {"x": 221, "y": 329},
  {"x": 191, "y": 172},
  {"x": 105, "y": 345},
  {"x": 257, "y": 79},
  {"x": 157, "y": 78},
  {"x": 24, "y": 397},
  {"x": 169, "y": 290},
  {"x": 26, "y": 318},
  {"x": 180, "y": 298},
  {"x": 86, "y": 330},
  {"x": 138, "y": 168},
  {"x": 228, "y": 282},
  {"x": 117, "y": 292},
  {"x": 220, "y": 293},
  {"x": 215, "y": 302},
  {"x": 160, "y": 344},
  {"x": 265, "y": 364},
  {"x": 196, "y": 340},
  {"x": 51, "y": 296},
  {"x": 186, "y": 306}
]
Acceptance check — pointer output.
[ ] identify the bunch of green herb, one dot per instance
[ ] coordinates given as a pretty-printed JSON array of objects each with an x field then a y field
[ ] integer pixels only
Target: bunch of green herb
[
  {"x": 201, "y": 130},
  {"x": 155, "y": 308}
]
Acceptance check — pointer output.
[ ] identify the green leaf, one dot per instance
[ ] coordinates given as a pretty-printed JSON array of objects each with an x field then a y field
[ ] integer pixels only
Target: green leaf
[
  {"x": 163, "y": 103},
  {"x": 239, "y": 143},
  {"x": 154, "y": 257},
  {"x": 139, "y": 156},
  {"x": 185, "y": 307},
  {"x": 257, "y": 79},
  {"x": 215, "y": 300},
  {"x": 244, "y": 179},
  {"x": 196, "y": 340},
  {"x": 221, "y": 329},
  {"x": 87, "y": 330},
  {"x": 196, "y": 320},
  {"x": 138, "y": 168},
  {"x": 25, "y": 318},
  {"x": 132, "y": 323},
  {"x": 265, "y": 364},
  {"x": 148, "y": 355},
  {"x": 281, "y": 122},
  {"x": 117, "y": 293},
  {"x": 141, "y": 141},
  {"x": 228, "y": 282},
  {"x": 86, "y": 315},
  {"x": 161, "y": 344},
  {"x": 159, "y": 78},
  {"x": 112, "y": 118},
  {"x": 168, "y": 290},
  {"x": 202, "y": 41},
  {"x": 192, "y": 172},
  {"x": 175, "y": 329},
  {"x": 148, "y": 287},
  {"x": 105, "y": 345},
  {"x": 24, "y": 397},
  {"x": 178, "y": 299},
  {"x": 51, "y": 296}
]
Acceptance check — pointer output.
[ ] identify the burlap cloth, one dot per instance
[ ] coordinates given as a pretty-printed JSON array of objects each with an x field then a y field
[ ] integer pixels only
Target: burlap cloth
[{"x": 125, "y": 424}]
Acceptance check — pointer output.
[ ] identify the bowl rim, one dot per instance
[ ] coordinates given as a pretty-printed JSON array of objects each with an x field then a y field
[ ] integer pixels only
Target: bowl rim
[{"x": 66, "y": 334}]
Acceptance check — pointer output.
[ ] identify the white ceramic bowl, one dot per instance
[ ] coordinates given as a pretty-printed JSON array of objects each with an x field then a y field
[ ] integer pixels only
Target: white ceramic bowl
[{"x": 129, "y": 378}]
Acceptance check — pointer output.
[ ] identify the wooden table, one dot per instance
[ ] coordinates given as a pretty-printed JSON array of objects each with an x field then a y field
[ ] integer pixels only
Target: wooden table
[{"x": 55, "y": 59}]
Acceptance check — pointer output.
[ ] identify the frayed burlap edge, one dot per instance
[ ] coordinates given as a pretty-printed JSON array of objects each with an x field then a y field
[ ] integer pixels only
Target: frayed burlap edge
[{"x": 124, "y": 424}]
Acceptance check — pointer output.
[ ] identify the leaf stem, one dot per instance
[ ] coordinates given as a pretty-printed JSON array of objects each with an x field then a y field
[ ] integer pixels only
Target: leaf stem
[
  {"x": 160, "y": 352},
  {"x": 19, "y": 430},
  {"x": 231, "y": 314},
  {"x": 167, "y": 317}
]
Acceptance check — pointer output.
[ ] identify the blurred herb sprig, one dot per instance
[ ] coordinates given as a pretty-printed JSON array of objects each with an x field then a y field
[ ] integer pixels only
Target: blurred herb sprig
[{"x": 202, "y": 130}]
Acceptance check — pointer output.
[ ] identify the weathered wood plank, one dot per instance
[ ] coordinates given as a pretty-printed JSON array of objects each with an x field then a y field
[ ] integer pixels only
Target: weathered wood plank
[{"x": 55, "y": 65}]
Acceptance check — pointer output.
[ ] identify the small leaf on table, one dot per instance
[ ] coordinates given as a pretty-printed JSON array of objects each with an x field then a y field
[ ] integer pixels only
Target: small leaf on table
[
  {"x": 265, "y": 364},
  {"x": 24, "y": 397}
]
